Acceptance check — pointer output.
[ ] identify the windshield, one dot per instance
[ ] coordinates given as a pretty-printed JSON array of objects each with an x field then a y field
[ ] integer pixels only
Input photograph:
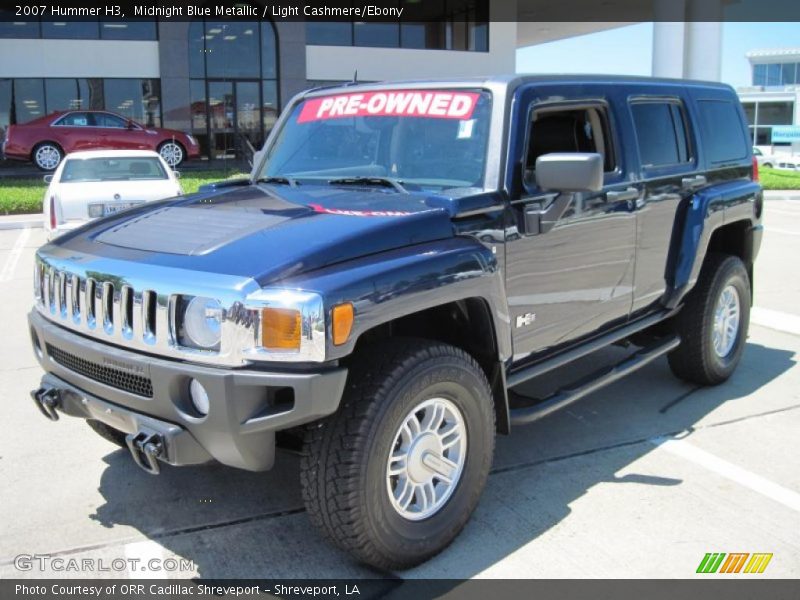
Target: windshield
[
  {"x": 112, "y": 169},
  {"x": 425, "y": 139}
]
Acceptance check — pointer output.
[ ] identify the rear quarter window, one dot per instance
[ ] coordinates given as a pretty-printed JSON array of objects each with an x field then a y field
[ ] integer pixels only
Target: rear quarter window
[
  {"x": 661, "y": 132},
  {"x": 724, "y": 139}
]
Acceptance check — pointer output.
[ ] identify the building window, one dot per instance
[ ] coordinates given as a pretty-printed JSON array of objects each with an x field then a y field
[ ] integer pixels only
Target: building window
[
  {"x": 28, "y": 100},
  {"x": 232, "y": 49},
  {"x": 73, "y": 94},
  {"x": 137, "y": 99},
  {"x": 432, "y": 25},
  {"x": 71, "y": 30},
  {"x": 130, "y": 29},
  {"x": 775, "y": 113}
]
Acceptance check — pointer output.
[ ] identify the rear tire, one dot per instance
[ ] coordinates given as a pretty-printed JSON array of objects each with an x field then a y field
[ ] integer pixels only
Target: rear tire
[
  {"x": 713, "y": 323},
  {"x": 108, "y": 433},
  {"x": 47, "y": 156},
  {"x": 390, "y": 512}
]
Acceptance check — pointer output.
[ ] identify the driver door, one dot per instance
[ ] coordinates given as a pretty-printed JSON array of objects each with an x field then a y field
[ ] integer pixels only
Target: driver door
[{"x": 577, "y": 277}]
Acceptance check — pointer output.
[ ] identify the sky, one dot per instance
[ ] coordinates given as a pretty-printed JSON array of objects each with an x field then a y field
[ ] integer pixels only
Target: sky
[{"x": 628, "y": 50}]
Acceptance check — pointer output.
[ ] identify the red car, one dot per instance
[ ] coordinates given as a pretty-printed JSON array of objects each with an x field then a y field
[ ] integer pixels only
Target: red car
[{"x": 46, "y": 140}]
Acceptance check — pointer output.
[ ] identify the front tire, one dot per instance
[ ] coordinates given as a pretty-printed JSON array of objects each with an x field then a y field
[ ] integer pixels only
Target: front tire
[
  {"x": 172, "y": 153},
  {"x": 713, "y": 323},
  {"x": 47, "y": 156},
  {"x": 393, "y": 476}
]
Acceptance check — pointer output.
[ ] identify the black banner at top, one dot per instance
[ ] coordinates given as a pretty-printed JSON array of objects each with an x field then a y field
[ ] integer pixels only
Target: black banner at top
[{"x": 404, "y": 10}]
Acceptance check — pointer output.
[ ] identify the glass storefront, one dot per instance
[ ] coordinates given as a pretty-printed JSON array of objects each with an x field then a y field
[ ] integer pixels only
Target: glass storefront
[
  {"x": 763, "y": 115},
  {"x": 234, "y": 88},
  {"x": 25, "y": 99}
]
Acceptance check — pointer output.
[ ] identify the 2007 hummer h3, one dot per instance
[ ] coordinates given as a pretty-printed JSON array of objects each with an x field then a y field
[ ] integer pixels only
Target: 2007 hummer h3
[{"x": 402, "y": 257}]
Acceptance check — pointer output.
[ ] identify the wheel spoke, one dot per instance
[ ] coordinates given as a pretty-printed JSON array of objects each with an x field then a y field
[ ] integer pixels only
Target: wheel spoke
[
  {"x": 450, "y": 436},
  {"x": 406, "y": 492}
]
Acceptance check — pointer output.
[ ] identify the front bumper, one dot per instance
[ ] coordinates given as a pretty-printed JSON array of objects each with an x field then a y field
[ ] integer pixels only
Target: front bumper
[{"x": 247, "y": 405}]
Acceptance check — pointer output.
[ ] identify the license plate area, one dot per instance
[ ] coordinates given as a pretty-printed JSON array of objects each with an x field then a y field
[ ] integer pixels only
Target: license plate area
[{"x": 104, "y": 209}]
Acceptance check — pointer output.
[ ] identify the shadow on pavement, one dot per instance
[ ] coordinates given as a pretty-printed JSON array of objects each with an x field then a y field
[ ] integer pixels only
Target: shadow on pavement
[{"x": 238, "y": 524}]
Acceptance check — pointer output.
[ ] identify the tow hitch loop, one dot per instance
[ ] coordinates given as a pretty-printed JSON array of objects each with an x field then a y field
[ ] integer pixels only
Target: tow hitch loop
[
  {"x": 145, "y": 449},
  {"x": 46, "y": 400}
]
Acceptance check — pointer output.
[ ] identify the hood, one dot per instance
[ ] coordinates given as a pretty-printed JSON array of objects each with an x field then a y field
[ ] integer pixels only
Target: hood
[{"x": 266, "y": 232}]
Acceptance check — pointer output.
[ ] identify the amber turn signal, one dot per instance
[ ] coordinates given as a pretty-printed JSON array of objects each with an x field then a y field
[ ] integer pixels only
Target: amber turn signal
[
  {"x": 280, "y": 328},
  {"x": 342, "y": 323}
]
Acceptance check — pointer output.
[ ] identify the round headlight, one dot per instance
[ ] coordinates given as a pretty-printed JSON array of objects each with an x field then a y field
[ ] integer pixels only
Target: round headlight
[{"x": 202, "y": 322}]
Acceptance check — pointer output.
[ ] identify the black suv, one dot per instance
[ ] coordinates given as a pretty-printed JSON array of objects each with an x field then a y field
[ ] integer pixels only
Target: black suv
[{"x": 403, "y": 257}]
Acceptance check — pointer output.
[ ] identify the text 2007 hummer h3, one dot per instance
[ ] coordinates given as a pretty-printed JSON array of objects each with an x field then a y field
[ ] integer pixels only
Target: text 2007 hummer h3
[{"x": 403, "y": 256}]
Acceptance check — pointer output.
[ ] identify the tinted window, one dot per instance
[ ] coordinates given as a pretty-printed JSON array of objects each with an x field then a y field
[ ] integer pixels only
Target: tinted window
[
  {"x": 232, "y": 49},
  {"x": 329, "y": 33},
  {"x": 110, "y": 121},
  {"x": 661, "y": 133},
  {"x": 137, "y": 99},
  {"x": 112, "y": 169},
  {"x": 377, "y": 35},
  {"x": 76, "y": 119},
  {"x": 10, "y": 27},
  {"x": 722, "y": 130}
]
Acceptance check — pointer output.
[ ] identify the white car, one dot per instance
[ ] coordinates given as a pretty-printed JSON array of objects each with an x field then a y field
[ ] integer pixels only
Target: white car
[
  {"x": 764, "y": 160},
  {"x": 97, "y": 183}
]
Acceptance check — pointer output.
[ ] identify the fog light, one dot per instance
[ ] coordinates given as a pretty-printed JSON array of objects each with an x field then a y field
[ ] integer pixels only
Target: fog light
[{"x": 199, "y": 397}]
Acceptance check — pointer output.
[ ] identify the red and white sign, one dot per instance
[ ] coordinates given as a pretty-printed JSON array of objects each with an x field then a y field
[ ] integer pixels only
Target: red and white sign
[{"x": 401, "y": 103}]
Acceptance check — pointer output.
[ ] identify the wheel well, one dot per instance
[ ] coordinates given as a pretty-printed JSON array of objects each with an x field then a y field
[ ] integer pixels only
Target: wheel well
[
  {"x": 734, "y": 239},
  {"x": 466, "y": 324}
]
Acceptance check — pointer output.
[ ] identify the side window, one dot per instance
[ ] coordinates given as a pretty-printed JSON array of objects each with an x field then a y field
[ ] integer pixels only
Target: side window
[
  {"x": 107, "y": 120},
  {"x": 722, "y": 130},
  {"x": 661, "y": 133},
  {"x": 584, "y": 129},
  {"x": 76, "y": 119}
]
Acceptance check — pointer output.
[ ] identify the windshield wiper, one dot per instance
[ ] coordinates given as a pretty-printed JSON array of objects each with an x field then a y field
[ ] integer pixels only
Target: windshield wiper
[
  {"x": 384, "y": 181},
  {"x": 280, "y": 179}
]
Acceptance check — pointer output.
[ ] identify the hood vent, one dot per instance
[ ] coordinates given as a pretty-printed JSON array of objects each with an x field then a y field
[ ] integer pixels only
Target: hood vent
[{"x": 187, "y": 231}]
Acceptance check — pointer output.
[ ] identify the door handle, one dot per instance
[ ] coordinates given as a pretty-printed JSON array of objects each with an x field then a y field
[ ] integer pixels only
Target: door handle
[
  {"x": 694, "y": 182},
  {"x": 625, "y": 195}
]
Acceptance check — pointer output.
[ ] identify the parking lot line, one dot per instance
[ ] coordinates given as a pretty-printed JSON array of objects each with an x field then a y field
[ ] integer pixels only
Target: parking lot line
[
  {"x": 751, "y": 480},
  {"x": 13, "y": 257},
  {"x": 775, "y": 319}
]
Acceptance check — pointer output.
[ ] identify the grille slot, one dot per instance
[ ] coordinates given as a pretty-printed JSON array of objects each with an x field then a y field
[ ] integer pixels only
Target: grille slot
[{"x": 110, "y": 376}]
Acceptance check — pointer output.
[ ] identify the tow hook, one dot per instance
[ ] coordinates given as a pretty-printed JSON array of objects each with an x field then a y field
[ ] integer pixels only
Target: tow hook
[
  {"x": 46, "y": 400},
  {"x": 145, "y": 449}
]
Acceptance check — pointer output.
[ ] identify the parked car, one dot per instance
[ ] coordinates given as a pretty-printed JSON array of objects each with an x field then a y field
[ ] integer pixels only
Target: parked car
[
  {"x": 98, "y": 183},
  {"x": 349, "y": 297},
  {"x": 788, "y": 163},
  {"x": 46, "y": 140},
  {"x": 764, "y": 160}
]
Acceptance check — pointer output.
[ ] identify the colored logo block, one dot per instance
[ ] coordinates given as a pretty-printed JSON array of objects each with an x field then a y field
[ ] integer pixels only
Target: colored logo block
[{"x": 735, "y": 562}]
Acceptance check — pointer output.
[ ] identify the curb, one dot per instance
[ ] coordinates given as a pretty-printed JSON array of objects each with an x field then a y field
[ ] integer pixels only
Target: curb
[{"x": 21, "y": 222}]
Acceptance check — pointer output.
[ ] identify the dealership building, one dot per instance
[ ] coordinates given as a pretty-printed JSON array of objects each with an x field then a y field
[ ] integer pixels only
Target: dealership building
[
  {"x": 225, "y": 81},
  {"x": 772, "y": 103}
]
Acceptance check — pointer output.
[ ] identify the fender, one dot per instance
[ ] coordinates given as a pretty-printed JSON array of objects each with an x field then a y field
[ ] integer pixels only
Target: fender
[
  {"x": 389, "y": 285},
  {"x": 705, "y": 212}
]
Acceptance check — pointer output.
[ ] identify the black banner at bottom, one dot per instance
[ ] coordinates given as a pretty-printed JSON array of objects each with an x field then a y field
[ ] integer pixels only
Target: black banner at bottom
[{"x": 418, "y": 589}]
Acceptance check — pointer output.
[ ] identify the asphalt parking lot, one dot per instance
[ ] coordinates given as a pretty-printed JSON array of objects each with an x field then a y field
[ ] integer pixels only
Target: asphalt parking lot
[{"x": 640, "y": 480}]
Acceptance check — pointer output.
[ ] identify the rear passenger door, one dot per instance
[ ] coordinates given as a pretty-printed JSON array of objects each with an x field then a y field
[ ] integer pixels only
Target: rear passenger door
[
  {"x": 577, "y": 277},
  {"x": 670, "y": 173}
]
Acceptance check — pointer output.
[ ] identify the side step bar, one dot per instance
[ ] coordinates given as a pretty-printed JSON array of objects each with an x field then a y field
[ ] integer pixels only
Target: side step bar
[
  {"x": 561, "y": 398},
  {"x": 525, "y": 373}
]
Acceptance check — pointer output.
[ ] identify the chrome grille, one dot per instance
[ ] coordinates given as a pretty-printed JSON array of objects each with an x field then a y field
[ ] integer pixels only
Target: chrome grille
[
  {"x": 116, "y": 378},
  {"x": 112, "y": 308}
]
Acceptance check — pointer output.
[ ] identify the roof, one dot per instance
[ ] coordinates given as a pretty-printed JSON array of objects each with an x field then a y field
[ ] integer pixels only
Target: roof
[
  {"x": 512, "y": 81},
  {"x": 113, "y": 154},
  {"x": 774, "y": 53}
]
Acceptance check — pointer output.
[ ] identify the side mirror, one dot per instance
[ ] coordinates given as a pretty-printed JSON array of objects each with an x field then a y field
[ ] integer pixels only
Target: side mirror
[
  {"x": 566, "y": 173},
  {"x": 129, "y": 124},
  {"x": 177, "y": 174},
  {"x": 570, "y": 172},
  {"x": 47, "y": 178}
]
